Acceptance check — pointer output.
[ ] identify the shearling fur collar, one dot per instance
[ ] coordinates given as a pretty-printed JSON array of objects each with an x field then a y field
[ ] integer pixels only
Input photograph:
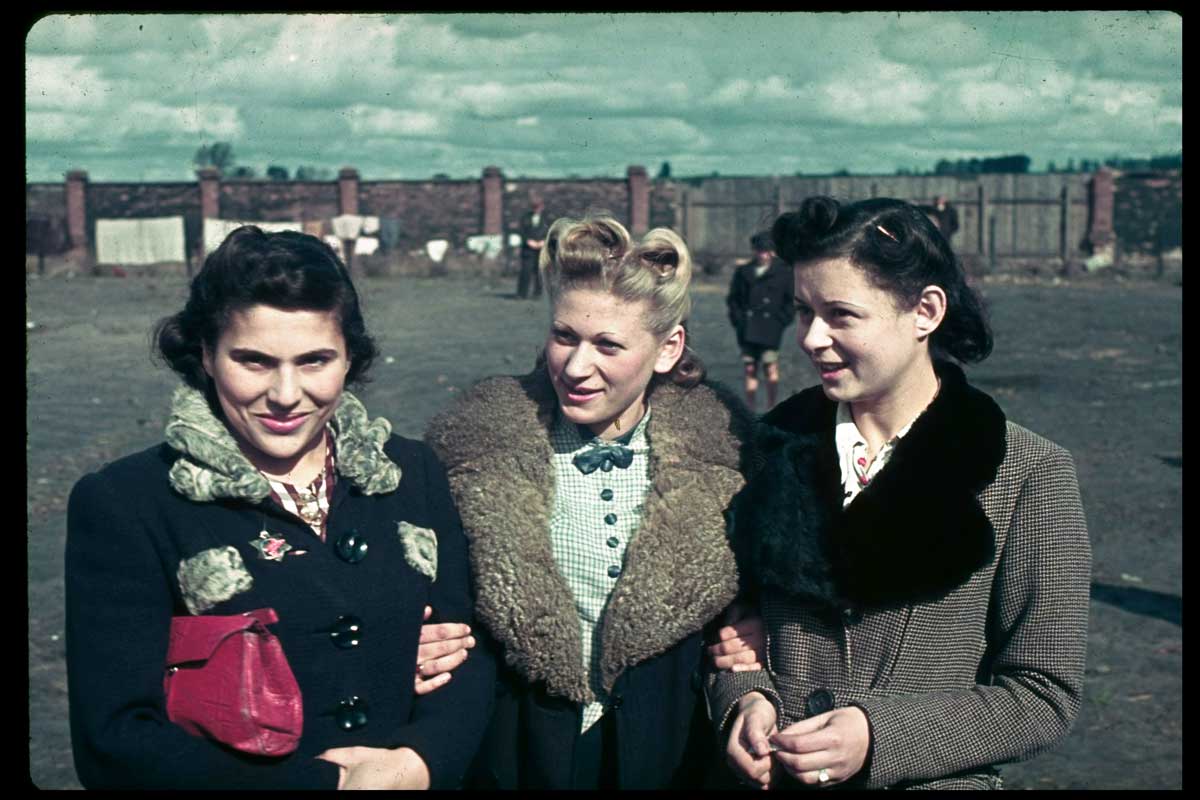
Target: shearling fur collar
[
  {"x": 679, "y": 570},
  {"x": 211, "y": 467},
  {"x": 916, "y": 532}
]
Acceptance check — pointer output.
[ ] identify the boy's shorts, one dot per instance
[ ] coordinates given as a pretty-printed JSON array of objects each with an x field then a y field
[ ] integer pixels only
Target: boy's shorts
[{"x": 756, "y": 354}]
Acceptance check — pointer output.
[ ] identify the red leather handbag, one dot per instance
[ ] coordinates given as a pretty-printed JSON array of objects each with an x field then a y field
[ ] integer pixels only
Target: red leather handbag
[{"x": 228, "y": 679}]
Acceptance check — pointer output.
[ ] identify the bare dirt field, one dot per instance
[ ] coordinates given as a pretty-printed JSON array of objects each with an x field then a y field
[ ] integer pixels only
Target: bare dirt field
[{"x": 1096, "y": 365}]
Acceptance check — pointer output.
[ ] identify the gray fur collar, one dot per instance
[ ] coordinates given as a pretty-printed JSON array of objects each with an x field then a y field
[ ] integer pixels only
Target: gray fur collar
[
  {"x": 211, "y": 467},
  {"x": 679, "y": 569}
]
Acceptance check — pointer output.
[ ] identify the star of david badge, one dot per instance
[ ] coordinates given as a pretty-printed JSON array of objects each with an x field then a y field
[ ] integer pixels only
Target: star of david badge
[{"x": 270, "y": 548}]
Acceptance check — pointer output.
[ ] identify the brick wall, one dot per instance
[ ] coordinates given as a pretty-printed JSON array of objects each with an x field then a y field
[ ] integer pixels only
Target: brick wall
[
  {"x": 427, "y": 210},
  {"x": 45, "y": 218},
  {"x": 566, "y": 198},
  {"x": 1006, "y": 215},
  {"x": 278, "y": 201},
  {"x": 1148, "y": 212}
]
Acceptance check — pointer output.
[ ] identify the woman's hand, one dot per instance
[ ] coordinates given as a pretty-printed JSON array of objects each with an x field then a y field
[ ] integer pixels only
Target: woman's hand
[
  {"x": 748, "y": 750},
  {"x": 442, "y": 649},
  {"x": 740, "y": 644},
  {"x": 378, "y": 768},
  {"x": 836, "y": 743}
]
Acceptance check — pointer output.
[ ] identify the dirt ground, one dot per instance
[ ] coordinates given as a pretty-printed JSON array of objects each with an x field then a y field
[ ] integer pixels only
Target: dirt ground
[{"x": 1095, "y": 364}]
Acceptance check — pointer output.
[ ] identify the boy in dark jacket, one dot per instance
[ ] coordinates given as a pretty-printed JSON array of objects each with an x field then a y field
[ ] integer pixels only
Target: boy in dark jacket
[{"x": 760, "y": 307}]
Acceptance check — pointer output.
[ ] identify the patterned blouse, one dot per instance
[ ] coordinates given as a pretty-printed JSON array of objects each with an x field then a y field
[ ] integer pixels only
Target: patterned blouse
[
  {"x": 594, "y": 518},
  {"x": 852, "y": 448},
  {"x": 309, "y": 503}
]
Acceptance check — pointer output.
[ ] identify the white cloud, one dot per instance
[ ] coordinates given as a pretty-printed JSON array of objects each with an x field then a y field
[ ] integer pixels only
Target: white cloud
[
  {"x": 563, "y": 93},
  {"x": 54, "y": 126},
  {"x": 367, "y": 120},
  {"x": 60, "y": 82}
]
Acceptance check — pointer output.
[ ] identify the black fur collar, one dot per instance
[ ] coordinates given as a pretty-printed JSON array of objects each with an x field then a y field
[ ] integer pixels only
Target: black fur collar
[{"x": 916, "y": 532}]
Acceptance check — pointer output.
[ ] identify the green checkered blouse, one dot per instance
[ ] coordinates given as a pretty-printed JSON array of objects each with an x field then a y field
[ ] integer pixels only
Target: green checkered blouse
[{"x": 595, "y": 517}]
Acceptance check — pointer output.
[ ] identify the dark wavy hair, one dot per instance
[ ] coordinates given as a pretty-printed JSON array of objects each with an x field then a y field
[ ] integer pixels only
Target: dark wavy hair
[
  {"x": 901, "y": 251},
  {"x": 287, "y": 270},
  {"x": 762, "y": 242}
]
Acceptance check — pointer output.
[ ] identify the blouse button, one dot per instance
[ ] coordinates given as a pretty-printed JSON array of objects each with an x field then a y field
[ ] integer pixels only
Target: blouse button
[
  {"x": 614, "y": 571},
  {"x": 613, "y": 541},
  {"x": 607, "y": 494},
  {"x": 610, "y": 518}
]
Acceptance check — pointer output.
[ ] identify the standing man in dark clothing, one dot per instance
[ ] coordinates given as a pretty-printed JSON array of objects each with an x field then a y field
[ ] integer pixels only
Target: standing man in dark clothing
[
  {"x": 945, "y": 216},
  {"x": 760, "y": 306},
  {"x": 534, "y": 226}
]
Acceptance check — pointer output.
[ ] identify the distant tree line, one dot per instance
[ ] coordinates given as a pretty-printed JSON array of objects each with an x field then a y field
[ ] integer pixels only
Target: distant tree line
[
  {"x": 1126, "y": 164},
  {"x": 220, "y": 155}
]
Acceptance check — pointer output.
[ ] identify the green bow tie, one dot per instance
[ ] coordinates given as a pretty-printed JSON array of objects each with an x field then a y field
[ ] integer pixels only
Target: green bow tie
[{"x": 603, "y": 457}]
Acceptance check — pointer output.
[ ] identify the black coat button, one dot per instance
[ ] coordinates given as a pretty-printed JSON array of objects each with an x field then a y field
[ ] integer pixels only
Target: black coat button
[
  {"x": 351, "y": 714},
  {"x": 610, "y": 518},
  {"x": 346, "y": 632},
  {"x": 351, "y": 547},
  {"x": 615, "y": 702},
  {"x": 819, "y": 702}
]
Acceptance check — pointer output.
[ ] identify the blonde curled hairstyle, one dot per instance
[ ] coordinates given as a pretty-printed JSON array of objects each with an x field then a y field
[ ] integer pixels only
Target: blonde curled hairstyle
[{"x": 598, "y": 253}]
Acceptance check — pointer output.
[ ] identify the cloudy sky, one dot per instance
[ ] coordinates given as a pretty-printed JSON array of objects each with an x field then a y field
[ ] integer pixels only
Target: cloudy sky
[{"x": 131, "y": 97}]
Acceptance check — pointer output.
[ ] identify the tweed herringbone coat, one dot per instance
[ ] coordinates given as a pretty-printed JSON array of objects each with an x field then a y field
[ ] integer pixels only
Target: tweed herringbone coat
[
  {"x": 679, "y": 573},
  {"x": 948, "y": 601}
]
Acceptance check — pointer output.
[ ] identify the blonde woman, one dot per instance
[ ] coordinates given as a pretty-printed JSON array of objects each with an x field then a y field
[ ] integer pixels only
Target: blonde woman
[{"x": 592, "y": 492}]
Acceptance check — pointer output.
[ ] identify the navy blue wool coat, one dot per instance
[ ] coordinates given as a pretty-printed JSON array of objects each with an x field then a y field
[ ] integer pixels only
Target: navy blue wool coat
[{"x": 129, "y": 530}]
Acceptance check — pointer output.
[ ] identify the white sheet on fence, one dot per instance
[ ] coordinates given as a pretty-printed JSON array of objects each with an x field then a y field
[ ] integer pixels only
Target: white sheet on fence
[
  {"x": 370, "y": 226},
  {"x": 365, "y": 245},
  {"x": 215, "y": 230},
  {"x": 151, "y": 240},
  {"x": 347, "y": 226},
  {"x": 336, "y": 244},
  {"x": 436, "y": 248},
  {"x": 488, "y": 246}
]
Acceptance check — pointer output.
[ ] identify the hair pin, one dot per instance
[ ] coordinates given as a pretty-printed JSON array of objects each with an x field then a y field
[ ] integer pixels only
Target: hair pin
[{"x": 887, "y": 233}]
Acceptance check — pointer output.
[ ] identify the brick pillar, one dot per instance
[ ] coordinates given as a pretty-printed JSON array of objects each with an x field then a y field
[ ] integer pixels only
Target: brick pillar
[
  {"x": 639, "y": 200},
  {"x": 492, "y": 186},
  {"x": 1100, "y": 234},
  {"x": 77, "y": 229},
  {"x": 348, "y": 190},
  {"x": 210, "y": 192}
]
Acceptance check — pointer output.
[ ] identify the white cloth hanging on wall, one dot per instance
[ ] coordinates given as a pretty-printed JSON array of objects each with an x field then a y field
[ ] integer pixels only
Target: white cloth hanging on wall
[
  {"x": 487, "y": 245},
  {"x": 215, "y": 230},
  {"x": 365, "y": 245},
  {"x": 347, "y": 226},
  {"x": 150, "y": 240},
  {"x": 338, "y": 246},
  {"x": 436, "y": 249},
  {"x": 370, "y": 226}
]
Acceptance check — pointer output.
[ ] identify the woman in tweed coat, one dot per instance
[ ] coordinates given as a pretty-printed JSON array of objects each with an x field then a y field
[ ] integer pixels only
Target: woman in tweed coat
[
  {"x": 922, "y": 563},
  {"x": 597, "y": 577}
]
